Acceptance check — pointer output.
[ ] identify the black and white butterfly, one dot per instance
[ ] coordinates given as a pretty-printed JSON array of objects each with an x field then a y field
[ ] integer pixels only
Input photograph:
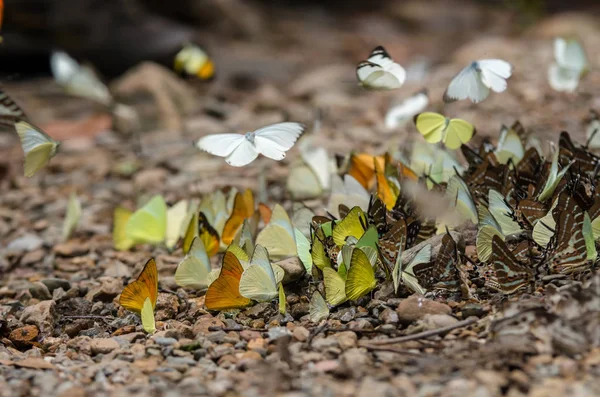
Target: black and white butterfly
[
  {"x": 239, "y": 150},
  {"x": 476, "y": 80},
  {"x": 380, "y": 72}
]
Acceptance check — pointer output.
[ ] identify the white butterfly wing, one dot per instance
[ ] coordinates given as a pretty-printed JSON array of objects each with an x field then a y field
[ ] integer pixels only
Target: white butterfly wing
[
  {"x": 63, "y": 67},
  {"x": 220, "y": 144},
  {"x": 496, "y": 66},
  {"x": 31, "y": 137},
  {"x": 562, "y": 79},
  {"x": 405, "y": 111},
  {"x": 283, "y": 135},
  {"x": 467, "y": 84},
  {"x": 243, "y": 154}
]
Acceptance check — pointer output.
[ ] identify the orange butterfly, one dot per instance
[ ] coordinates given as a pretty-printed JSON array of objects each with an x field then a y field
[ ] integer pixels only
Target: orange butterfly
[
  {"x": 362, "y": 168},
  {"x": 386, "y": 192},
  {"x": 265, "y": 212},
  {"x": 243, "y": 208},
  {"x": 145, "y": 286},
  {"x": 224, "y": 292}
]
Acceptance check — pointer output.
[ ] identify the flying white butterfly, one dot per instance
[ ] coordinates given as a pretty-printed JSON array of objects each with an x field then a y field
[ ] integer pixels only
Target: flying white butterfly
[
  {"x": 570, "y": 64},
  {"x": 79, "y": 80},
  {"x": 399, "y": 114},
  {"x": 380, "y": 72},
  {"x": 38, "y": 147},
  {"x": 476, "y": 80},
  {"x": 239, "y": 150}
]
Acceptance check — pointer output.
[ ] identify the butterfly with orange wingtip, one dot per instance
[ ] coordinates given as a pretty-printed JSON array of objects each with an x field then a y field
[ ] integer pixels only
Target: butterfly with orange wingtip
[
  {"x": 243, "y": 208},
  {"x": 140, "y": 295},
  {"x": 224, "y": 292}
]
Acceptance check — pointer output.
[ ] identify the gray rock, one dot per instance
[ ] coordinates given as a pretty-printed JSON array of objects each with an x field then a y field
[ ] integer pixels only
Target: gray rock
[
  {"x": 39, "y": 291},
  {"x": 293, "y": 267},
  {"x": 435, "y": 321},
  {"x": 389, "y": 316},
  {"x": 103, "y": 345},
  {"x": 106, "y": 291},
  {"x": 415, "y": 307},
  {"x": 25, "y": 243},
  {"x": 43, "y": 315},
  {"x": 54, "y": 283},
  {"x": 165, "y": 341}
]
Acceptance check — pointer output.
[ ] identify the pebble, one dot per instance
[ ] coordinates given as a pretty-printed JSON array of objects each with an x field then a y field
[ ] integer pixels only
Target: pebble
[
  {"x": 26, "y": 243},
  {"x": 108, "y": 289},
  {"x": 389, "y": 316},
  {"x": 325, "y": 343},
  {"x": 293, "y": 268},
  {"x": 346, "y": 339},
  {"x": 40, "y": 291},
  {"x": 103, "y": 345},
  {"x": 164, "y": 341},
  {"x": 248, "y": 334},
  {"x": 43, "y": 315},
  {"x": 415, "y": 307},
  {"x": 301, "y": 334},
  {"x": 204, "y": 323},
  {"x": 435, "y": 321},
  {"x": 326, "y": 365}
]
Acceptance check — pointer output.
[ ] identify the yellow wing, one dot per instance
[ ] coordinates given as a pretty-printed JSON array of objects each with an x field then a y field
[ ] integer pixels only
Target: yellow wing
[
  {"x": 278, "y": 236},
  {"x": 149, "y": 223},
  {"x": 193, "y": 270},
  {"x": 384, "y": 190},
  {"x": 281, "y": 299},
  {"x": 145, "y": 286},
  {"x": 243, "y": 208},
  {"x": 175, "y": 217},
  {"x": 431, "y": 126},
  {"x": 224, "y": 292},
  {"x": 147, "y": 315},
  {"x": 71, "y": 217},
  {"x": 38, "y": 158},
  {"x": 351, "y": 225},
  {"x": 120, "y": 240},
  {"x": 256, "y": 284},
  {"x": 458, "y": 132},
  {"x": 361, "y": 276},
  {"x": 37, "y": 146},
  {"x": 335, "y": 286},
  {"x": 318, "y": 309}
]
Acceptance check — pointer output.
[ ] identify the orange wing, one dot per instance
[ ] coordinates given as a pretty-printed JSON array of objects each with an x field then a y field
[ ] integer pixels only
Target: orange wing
[
  {"x": 243, "y": 208},
  {"x": 208, "y": 235},
  {"x": 406, "y": 172},
  {"x": 224, "y": 292},
  {"x": 384, "y": 191},
  {"x": 146, "y": 285},
  {"x": 265, "y": 212},
  {"x": 362, "y": 168}
]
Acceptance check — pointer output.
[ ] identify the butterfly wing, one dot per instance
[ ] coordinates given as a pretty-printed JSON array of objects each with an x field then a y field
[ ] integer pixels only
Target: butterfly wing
[
  {"x": 149, "y": 223},
  {"x": 431, "y": 125},
  {"x": 351, "y": 225},
  {"x": 38, "y": 147},
  {"x": 335, "y": 287},
  {"x": 221, "y": 145},
  {"x": 175, "y": 217},
  {"x": 458, "y": 132},
  {"x": 494, "y": 73},
  {"x": 278, "y": 236},
  {"x": 467, "y": 84},
  {"x": 72, "y": 216},
  {"x": 403, "y": 112},
  {"x": 243, "y": 208},
  {"x": 147, "y": 315},
  {"x": 361, "y": 276},
  {"x": 256, "y": 284},
  {"x": 318, "y": 309},
  {"x": 193, "y": 270},
  {"x": 120, "y": 240},
  {"x": 145, "y": 286},
  {"x": 224, "y": 292}
]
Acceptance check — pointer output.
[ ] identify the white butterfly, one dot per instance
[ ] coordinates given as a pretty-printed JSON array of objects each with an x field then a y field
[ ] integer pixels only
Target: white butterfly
[
  {"x": 476, "y": 80},
  {"x": 570, "y": 64},
  {"x": 38, "y": 147},
  {"x": 380, "y": 72},
  {"x": 79, "y": 80},
  {"x": 399, "y": 114},
  {"x": 239, "y": 150}
]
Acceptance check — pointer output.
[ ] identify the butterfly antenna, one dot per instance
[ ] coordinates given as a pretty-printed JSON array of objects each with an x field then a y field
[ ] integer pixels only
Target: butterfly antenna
[{"x": 587, "y": 143}]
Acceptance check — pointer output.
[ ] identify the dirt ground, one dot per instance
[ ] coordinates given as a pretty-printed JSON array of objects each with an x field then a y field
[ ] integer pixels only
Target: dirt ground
[{"x": 62, "y": 331}]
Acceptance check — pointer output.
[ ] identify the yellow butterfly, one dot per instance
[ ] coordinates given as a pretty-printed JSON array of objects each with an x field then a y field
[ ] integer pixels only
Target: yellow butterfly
[
  {"x": 352, "y": 225},
  {"x": 176, "y": 216},
  {"x": 199, "y": 227},
  {"x": 281, "y": 299},
  {"x": 243, "y": 208},
  {"x": 149, "y": 223},
  {"x": 436, "y": 127},
  {"x": 38, "y": 147},
  {"x": 278, "y": 236},
  {"x": 260, "y": 279},
  {"x": 318, "y": 309},
  {"x": 360, "y": 278},
  {"x": 72, "y": 216},
  {"x": 335, "y": 286},
  {"x": 140, "y": 295},
  {"x": 193, "y": 61},
  {"x": 121, "y": 241},
  {"x": 193, "y": 270},
  {"x": 224, "y": 292}
]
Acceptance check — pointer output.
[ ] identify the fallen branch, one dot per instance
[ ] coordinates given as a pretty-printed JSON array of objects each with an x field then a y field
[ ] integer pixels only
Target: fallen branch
[
  {"x": 390, "y": 349},
  {"x": 90, "y": 317},
  {"x": 424, "y": 334}
]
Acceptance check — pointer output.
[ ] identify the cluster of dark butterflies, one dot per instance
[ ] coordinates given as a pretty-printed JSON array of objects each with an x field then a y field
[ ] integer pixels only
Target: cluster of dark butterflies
[{"x": 535, "y": 217}]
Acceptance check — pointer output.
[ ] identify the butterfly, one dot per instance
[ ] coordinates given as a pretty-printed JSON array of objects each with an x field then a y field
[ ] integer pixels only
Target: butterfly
[
  {"x": 224, "y": 292},
  {"x": 121, "y": 241},
  {"x": 176, "y": 216},
  {"x": 569, "y": 252},
  {"x": 444, "y": 272},
  {"x": 191, "y": 60},
  {"x": 335, "y": 285},
  {"x": 438, "y": 164},
  {"x": 348, "y": 192},
  {"x": 360, "y": 278},
  {"x": 406, "y": 274},
  {"x": 140, "y": 295},
  {"x": 193, "y": 270},
  {"x": 318, "y": 309},
  {"x": 38, "y": 146},
  {"x": 459, "y": 195},
  {"x": 78, "y": 80},
  {"x": 310, "y": 176},
  {"x": 510, "y": 146},
  {"x": 436, "y": 127},
  {"x": 353, "y": 225},
  {"x": 9, "y": 108},
  {"x": 380, "y": 72},
  {"x": 570, "y": 64},
  {"x": 511, "y": 276},
  {"x": 475, "y": 81},
  {"x": 72, "y": 216},
  {"x": 400, "y": 114},
  {"x": 260, "y": 280},
  {"x": 239, "y": 150},
  {"x": 149, "y": 223},
  {"x": 387, "y": 190},
  {"x": 243, "y": 208},
  {"x": 362, "y": 168},
  {"x": 553, "y": 178},
  {"x": 278, "y": 237}
]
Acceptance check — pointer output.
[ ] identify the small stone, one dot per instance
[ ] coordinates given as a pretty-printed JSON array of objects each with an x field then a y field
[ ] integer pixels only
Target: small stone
[
  {"x": 248, "y": 334},
  {"x": 24, "y": 336},
  {"x": 103, "y": 345},
  {"x": 249, "y": 359},
  {"x": 257, "y": 344},
  {"x": 389, "y": 316},
  {"x": 106, "y": 291},
  {"x": 25, "y": 243},
  {"x": 355, "y": 361},
  {"x": 435, "y": 321},
  {"x": 204, "y": 323},
  {"x": 346, "y": 339},
  {"x": 326, "y": 365},
  {"x": 118, "y": 270},
  {"x": 34, "y": 363},
  {"x": 33, "y": 257},
  {"x": 277, "y": 332},
  {"x": 301, "y": 334},
  {"x": 40, "y": 291},
  {"x": 474, "y": 309},
  {"x": 325, "y": 343},
  {"x": 370, "y": 387},
  {"x": 293, "y": 268},
  {"x": 259, "y": 310},
  {"x": 164, "y": 341},
  {"x": 71, "y": 248},
  {"x": 54, "y": 283},
  {"x": 415, "y": 307},
  {"x": 43, "y": 315}
]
